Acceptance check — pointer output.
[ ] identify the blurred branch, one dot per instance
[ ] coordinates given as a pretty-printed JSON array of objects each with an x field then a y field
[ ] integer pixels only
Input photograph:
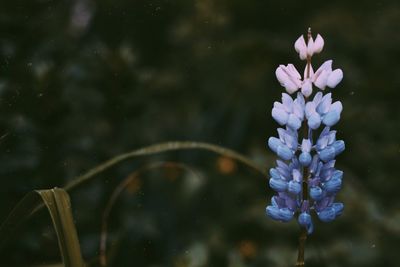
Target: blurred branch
[{"x": 164, "y": 147}]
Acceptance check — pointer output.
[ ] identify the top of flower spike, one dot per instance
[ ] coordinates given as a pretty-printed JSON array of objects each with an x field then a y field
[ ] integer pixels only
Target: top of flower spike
[
  {"x": 311, "y": 47},
  {"x": 323, "y": 77}
]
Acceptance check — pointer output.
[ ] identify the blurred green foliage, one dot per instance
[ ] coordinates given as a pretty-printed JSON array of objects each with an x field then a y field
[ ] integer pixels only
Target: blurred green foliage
[{"x": 84, "y": 80}]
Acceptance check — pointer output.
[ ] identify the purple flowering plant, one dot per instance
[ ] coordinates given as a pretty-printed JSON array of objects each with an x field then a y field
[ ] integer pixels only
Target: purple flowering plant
[{"x": 305, "y": 177}]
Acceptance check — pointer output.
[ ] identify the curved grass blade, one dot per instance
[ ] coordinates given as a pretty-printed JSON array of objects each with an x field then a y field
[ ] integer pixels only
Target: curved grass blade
[
  {"x": 59, "y": 206},
  {"x": 165, "y": 147}
]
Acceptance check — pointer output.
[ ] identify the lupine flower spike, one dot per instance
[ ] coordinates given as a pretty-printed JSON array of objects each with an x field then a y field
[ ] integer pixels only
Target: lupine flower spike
[{"x": 305, "y": 177}]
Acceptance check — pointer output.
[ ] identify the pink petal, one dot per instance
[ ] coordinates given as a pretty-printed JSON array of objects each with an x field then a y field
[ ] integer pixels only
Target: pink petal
[
  {"x": 335, "y": 78},
  {"x": 310, "y": 47},
  {"x": 318, "y": 44},
  {"x": 281, "y": 75},
  {"x": 293, "y": 71},
  {"x": 321, "y": 80},
  {"x": 301, "y": 47}
]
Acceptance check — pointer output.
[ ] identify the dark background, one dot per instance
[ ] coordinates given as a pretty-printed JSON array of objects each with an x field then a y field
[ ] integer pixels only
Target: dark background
[{"x": 82, "y": 81}]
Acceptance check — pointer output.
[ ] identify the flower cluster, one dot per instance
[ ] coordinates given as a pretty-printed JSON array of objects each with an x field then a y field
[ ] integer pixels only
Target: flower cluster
[{"x": 305, "y": 177}]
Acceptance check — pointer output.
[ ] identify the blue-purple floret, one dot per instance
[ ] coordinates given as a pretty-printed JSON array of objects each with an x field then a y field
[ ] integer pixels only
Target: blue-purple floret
[{"x": 318, "y": 156}]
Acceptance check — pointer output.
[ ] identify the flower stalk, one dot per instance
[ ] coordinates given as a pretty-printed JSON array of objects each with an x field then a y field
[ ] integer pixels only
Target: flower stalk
[{"x": 305, "y": 178}]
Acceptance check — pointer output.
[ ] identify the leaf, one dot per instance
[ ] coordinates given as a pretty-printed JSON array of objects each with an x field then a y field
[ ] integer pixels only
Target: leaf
[{"x": 58, "y": 204}]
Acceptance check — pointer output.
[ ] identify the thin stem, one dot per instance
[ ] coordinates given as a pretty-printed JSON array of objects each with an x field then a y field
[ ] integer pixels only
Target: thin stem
[{"x": 302, "y": 243}]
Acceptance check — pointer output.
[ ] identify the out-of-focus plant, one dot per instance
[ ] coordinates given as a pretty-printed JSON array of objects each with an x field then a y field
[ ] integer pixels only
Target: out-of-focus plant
[
  {"x": 305, "y": 178},
  {"x": 58, "y": 204},
  {"x": 57, "y": 200}
]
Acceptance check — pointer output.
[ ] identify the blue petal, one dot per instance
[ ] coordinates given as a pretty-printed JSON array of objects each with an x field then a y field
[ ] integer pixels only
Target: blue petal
[
  {"x": 317, "y": 98},
  {"x": 332, "y": 137},
  {"x": 273, "y": 212},
  {"x": 290, "y": 138},
  {"x": 278, "y": 185},
  {"x": 338, "y": 207},
  {"x": 279, "y": 202},
  {"x": 333, "y": 185},
  {"x": 273, "y": 143},
  {"x": 337, "y": 175},
  {"x": 323, "y": 203},
  {"x": 285, "y": 214},
  {"x": 305, "y": 159},
  {"x": 298, "y": 110},
  {"x": 314, "y": 164},
  {"x": 287, "y": 101},
  {"x": 322, "y": 142},
  {"x": 297, "y": 176},
  {"x": 280, "y": 116},
  {"x": 327, "y": 154},
  {"x": 316, "y": 193},
  {"x": 325, "y": 104},
  {"x": 305, "y": 221},
  {"x": 314, "y": 121},
  {"x": 294, "y": 187},
  {"x": 274, "y": 173},
  {"x": 339, "y": 146},
  {"x": 291, "y": 203},
  {"x": 294, "y": 122},
  {"x": 300, "y": 99},
  {"x": 327, "y": 215},
  {"x": 284, "y": 152},
  {"x": 331, "y": 118}
]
